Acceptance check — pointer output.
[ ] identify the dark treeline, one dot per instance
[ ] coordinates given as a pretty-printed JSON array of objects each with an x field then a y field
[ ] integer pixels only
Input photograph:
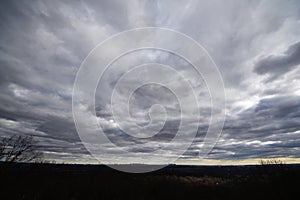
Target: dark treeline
[{"x": 57, "y": 181}]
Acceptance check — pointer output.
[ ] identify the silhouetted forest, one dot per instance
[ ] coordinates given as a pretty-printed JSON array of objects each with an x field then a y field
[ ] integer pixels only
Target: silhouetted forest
[{"x": 57, "y": 181}]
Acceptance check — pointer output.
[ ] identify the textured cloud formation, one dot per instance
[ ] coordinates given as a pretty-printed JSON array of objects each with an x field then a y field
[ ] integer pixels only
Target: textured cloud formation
[
  {"x": 255, "y": 44},
  {"x": 281, "y": 64}
]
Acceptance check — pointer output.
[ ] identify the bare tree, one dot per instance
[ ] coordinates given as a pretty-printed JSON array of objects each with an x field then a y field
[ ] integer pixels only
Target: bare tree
[
  {"x": 19, "y": 149},
  {"x": 271, "y": 162}
]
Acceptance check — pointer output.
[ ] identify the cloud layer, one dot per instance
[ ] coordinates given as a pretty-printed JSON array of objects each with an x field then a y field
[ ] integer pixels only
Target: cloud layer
[{"x": 255, "y": 44}]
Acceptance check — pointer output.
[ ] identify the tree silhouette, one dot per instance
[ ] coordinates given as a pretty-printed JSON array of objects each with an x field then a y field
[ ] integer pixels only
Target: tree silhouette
[{"x": 19, "y": 149}]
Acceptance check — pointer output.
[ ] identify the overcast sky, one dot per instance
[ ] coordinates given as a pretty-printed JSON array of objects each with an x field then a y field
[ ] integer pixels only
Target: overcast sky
[{"x": 255, "y": 44}]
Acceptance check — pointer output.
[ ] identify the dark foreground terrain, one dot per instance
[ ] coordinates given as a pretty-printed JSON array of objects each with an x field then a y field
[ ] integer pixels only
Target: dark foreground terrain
[{"x": 47, "y": 181}]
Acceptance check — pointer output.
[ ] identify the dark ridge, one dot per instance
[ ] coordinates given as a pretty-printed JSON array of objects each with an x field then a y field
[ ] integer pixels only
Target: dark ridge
[{"x": 66, "y": 181}]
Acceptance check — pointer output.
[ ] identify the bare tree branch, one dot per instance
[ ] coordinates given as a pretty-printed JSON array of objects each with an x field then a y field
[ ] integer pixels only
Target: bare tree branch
[{"x": 19, "y": 149}]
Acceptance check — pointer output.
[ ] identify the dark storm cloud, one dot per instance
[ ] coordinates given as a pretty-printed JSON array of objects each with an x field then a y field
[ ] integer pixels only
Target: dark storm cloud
[
  {"x": 39, "y": 56},
  {"x": 42, "y": 44},
  {"x": 277, "y": 65},
  {"x": 59, "y": 128},
  {"x": 268, "y": 129}
]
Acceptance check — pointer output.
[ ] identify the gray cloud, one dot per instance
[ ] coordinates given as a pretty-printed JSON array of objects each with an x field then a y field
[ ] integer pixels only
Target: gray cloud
[
  {"x": 276, "y": 66},
  {"x": 269, "y": 129},
  {"x": 42, "y": 45}
]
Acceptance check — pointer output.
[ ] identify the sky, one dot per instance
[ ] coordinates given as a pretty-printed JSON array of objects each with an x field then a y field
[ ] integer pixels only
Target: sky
[{"x": 255, "y": 45}]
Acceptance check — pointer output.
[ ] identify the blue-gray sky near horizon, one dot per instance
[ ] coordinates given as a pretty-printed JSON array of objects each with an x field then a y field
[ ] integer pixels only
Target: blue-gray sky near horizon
[{"x": 255, "y": 44}]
